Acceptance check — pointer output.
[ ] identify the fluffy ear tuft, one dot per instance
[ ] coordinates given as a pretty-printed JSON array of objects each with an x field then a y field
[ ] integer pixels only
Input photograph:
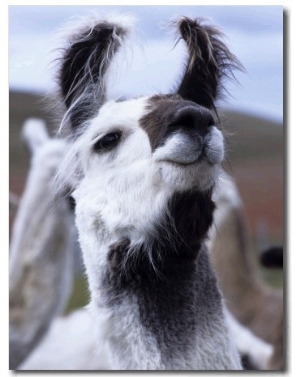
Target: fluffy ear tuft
[
  {"x": 208, "y": 62},
  {"x": 84, "y": 64}
]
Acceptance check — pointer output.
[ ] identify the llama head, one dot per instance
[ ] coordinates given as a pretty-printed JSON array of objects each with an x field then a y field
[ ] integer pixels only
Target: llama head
[{"x": 131, "y": 157}]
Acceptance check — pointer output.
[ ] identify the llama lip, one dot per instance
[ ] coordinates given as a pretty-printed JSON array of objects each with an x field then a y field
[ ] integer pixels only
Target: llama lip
[
  {"x": 180, "y": 148},
  {"x": 202, "y": 158},
  {"x": 179, "y": 163},
  {"x": 183, "y": 160}
]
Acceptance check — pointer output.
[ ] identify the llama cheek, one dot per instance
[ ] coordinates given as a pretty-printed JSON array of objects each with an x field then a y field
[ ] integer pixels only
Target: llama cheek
[
  {"x": 139, "y": 146},
  {"x": 93, "y": 231},
  {"x": 215, "y": 147}
]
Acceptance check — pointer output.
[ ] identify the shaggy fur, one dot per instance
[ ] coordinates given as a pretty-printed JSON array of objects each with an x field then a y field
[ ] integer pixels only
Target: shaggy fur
[
  {"x": 253, "y": 303},
  {"x": 40, "y": 279},
  {"x": 143, "y": 173}
]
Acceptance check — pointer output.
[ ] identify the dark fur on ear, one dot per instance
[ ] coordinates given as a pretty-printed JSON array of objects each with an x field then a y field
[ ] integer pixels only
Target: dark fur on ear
[
  {"x": 208, "y": 62},
  {"x": 83, "y": 67}
]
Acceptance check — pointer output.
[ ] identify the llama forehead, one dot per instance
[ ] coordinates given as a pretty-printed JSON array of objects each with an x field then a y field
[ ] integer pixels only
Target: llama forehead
[
  {"x": 134, "y": 146},
  {"x": 125, "y": 114},
  {"x": 147, "y": 113}
]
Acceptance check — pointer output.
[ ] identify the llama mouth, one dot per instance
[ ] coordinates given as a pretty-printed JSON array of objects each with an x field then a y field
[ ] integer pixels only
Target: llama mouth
[
  {"x": 203, "y": 157},
  {"x": 178, "y": 162},
  {"x": 199, "y": 174},
  {"x": 190, "y": 149},
  {"x": 185, "y": 164}
]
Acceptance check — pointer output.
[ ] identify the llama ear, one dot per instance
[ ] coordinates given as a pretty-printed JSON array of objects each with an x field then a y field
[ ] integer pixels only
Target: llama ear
[
  {"x": 208, "y": 62},
  {"x": 84, "y": 65}
]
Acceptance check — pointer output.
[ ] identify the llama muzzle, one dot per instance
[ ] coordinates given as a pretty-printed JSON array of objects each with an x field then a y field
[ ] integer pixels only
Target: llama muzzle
[{"x": 190, "y": 136}]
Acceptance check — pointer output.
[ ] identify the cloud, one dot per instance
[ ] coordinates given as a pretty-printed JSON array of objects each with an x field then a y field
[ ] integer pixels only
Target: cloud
[{"x": 254, "y": 34}]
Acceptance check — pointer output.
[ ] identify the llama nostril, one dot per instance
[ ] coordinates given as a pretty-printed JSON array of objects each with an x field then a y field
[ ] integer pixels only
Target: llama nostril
[
  {"x": 184, "y": 120},
  {"x": 193, "y": 117}
]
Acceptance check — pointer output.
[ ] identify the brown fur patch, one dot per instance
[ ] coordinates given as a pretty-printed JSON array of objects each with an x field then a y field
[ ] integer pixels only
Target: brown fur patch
[{"x": 162, "y": 117}]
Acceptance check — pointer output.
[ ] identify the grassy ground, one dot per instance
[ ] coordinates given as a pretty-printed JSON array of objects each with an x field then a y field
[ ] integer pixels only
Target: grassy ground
[{"x": 255, "y": 158}]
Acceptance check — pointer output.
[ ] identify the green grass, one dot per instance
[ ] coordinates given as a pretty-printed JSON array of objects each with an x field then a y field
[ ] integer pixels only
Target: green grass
[
  {"x": 79, "y": 296},
  {"x": 273, "y": 277}
]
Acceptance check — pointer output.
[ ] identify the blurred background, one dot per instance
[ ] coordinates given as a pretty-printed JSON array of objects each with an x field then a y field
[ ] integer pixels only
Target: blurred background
[{"x": 252, "y": 111}]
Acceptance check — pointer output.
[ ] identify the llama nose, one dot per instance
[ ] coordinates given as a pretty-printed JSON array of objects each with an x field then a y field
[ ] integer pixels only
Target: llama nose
[{"x": 192, "y": 117}]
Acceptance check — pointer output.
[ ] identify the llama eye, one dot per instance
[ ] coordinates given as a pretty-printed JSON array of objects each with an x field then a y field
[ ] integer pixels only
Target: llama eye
[{"x": 108, "y": 141}]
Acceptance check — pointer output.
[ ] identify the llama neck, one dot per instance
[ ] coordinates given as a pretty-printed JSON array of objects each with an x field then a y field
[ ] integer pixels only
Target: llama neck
[
  {"x": 164, "y": 314},
  {"x": 171, "y": 252},
  {"x": 162, "y": 306}
]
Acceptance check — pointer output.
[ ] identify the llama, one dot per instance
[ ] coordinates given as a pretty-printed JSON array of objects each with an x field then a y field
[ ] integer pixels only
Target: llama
[
  {"x": 70, "y": 342},
  {"x": 253, "y": 303},
  {"x": 40, "y": 265},
  {"x": 13, "y": 201},
  {"x": 143, "y": 174}
]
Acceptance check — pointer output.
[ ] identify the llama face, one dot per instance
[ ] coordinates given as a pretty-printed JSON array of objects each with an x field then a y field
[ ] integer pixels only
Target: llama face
[
  {"x": 185, "y": 143},
  {"x": 176, "y": 137},
  {"x": 136, "y": 154},
  {"x": 128, "y": 159}
]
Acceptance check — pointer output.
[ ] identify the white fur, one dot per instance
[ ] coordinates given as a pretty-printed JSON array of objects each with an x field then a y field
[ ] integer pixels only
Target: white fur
[
  {"x": 227, "y": 197},
  {"x": 179, "y": 156},
  {"x": 121, "y": 193},
  {"x": 215, "y": 146},
  {"x": 240, "y": 278},
  {"x": 34, "y": 133},
  {"x": 40, "y": 264},
  {"x": 247, "y": 343},
  {"x": 117, "y": 332},
  {"x": 90, "y": 20},
  {"x": 70, "y": 344}
]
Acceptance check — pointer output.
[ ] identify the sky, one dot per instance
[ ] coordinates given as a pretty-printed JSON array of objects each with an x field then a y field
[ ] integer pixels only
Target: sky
[
  {"x": 256, "y": 37},
  {"x": 253, "y": 33}
]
